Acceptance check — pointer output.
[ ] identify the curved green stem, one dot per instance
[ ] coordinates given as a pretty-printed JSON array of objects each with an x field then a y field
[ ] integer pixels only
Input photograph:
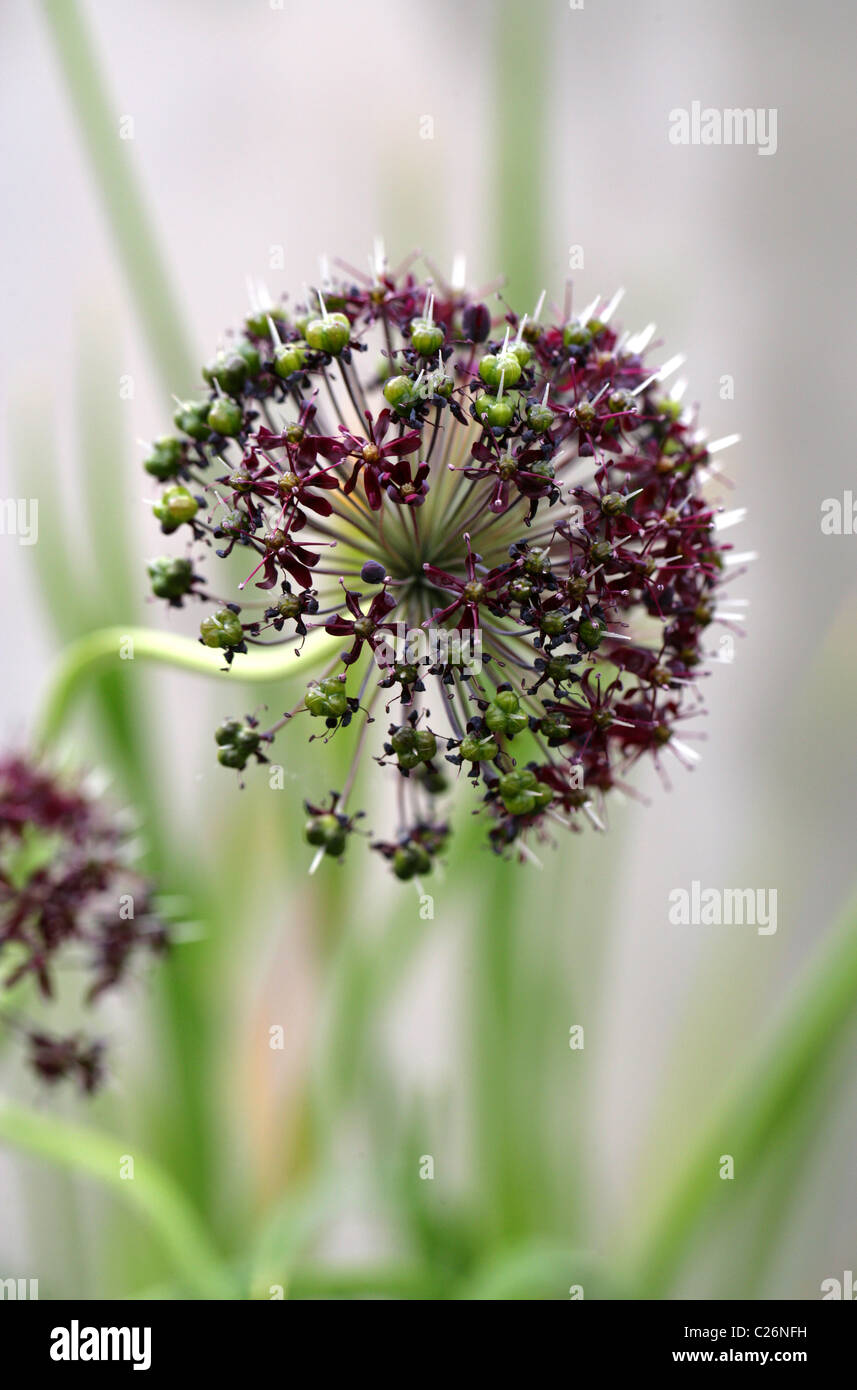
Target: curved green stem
[
  {"x": 150, "y": 1189},
  {"x": 132, "y": 643}
]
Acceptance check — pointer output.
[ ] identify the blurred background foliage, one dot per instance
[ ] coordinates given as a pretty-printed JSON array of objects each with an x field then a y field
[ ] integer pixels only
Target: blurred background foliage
[{"x": 256, "y": 1168}]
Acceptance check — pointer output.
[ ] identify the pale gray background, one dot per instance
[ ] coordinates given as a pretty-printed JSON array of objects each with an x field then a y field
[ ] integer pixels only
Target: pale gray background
[{"x": 301, "y": 127}]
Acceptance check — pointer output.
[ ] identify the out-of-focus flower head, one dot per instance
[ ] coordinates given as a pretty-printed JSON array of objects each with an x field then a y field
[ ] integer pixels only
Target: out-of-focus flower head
[
  {"x": 484, "y": 531},
  {"x": 69, "y": 898}
]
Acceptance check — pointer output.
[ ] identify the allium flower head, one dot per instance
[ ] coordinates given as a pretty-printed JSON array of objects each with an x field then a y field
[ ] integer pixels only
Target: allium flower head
[
  {"x": 69, "y": 896},
  {"x": 483, "y": 534}
]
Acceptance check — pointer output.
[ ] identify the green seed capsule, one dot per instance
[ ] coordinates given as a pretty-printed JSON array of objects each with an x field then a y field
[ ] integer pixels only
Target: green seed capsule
[
  {"x": 403, "y": 866},
  {"x": 226, "y": 416},
  {"x": 523, "y": 352},
  {"x": 233, "y": 523},
  {"x": 236, "y": 751},
  {"x": 555, "y": 728},
  {"x": 227, "y": 731},
  {"x": 620, "y": 401},
  {"x": 422, "y": 859},
  {"x": 540, "y": 418},
  {"x": 410, "y": 860},
  {"x": 501, "y": 366},
  {"x": 669, "y": 409},
  {"x": 329, "y": 334},
  {"x": 321, "y": 829},
  {"x": 170, "y": 578},
  {"x": 336, "y": 845},
  {"x": 403, "y": 740},
  {"x": 250, "y": 355},
  {"x": 559, "y": 669},
  {"x": 538, "y": 565},
  {"x": 288, "y": 358},
  {"x": 191, "y": 417},
  {"x": 475, "y": 749},
  {"x": 257, "y": 322},
  {"x": 413, "y": 746},
  {"x": 289, "y": 606},
  {"x": 522, "y": 793},
  {"x": 553, "y": 623},
  {"x": 314, "y": 830},
  {"x": 399, "y": 393},
  {"x": 326, "y": 830},
  {"x": 591, "y": 633},
  {"x": 229, "y": 370},
  {"x": 426, "y": 745},
  {"x": 505, "y": 716},
  {"x": 576, "y": 334},
  {"x": 230, "y": 755},
  {"x": 585, "y": 416},
  {"x": 612, "y": 503},
  {"x": 176, "y": 506},
  {"x": 426, "y": 337},
  {"x": 327, "y": 698},
  {"x": 222, "y": 629},
  {"x": 543, "y": 468},
  {"x": 166, "y": 458},
  {"x": 406, "y": 672},
  {"x": 408, "y": 759},
  {"x": 495, "y": 411}
]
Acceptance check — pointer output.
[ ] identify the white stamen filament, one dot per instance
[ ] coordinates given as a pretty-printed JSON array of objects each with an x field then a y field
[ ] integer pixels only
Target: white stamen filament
[
  {"x": 723, "y": 520},
  {"x": 612, "y": 306},
  {"x": 726, "y": 442}
]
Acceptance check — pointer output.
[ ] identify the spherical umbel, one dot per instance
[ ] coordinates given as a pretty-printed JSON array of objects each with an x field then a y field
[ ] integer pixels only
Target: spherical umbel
[{"x": 489, "y": 529}]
